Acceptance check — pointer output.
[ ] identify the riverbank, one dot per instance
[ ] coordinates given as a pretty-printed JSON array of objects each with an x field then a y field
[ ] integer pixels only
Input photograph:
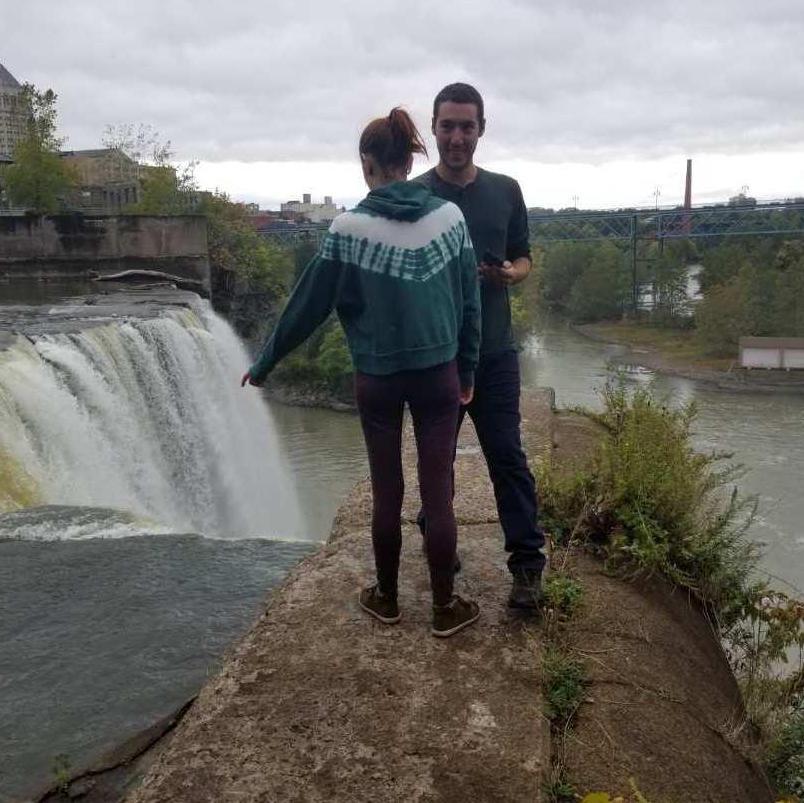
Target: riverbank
[
  {"x": 306, "y": 395},
  {"x": 676, "y": 352}
]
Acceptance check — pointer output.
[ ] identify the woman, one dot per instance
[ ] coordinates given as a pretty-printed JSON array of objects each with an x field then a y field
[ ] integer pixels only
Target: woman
[{"x": 400, "y": 271}]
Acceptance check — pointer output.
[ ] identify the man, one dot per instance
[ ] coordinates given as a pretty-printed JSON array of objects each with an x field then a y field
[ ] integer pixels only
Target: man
[{"x": 497, "y": 219}]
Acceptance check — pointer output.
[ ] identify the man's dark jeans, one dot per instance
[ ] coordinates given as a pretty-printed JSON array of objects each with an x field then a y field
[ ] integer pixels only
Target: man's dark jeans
[{"x": 495, "y": 414}]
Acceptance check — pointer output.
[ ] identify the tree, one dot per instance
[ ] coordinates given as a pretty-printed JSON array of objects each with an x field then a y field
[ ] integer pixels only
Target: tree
[
  {"x": 167, "y": 190},
  {"x": 39, "y": 179},
  {"x": 563, "y": 264},
  {"x": 235, "y": 245},
  {"x": 722, "y": 318},
  {"x": 670, "y": 283},
  {"x": 602, "y": 290},
  {"x": 141, "y": 143},
  {"x": 167, "y": 187},
  {"x": 788, "y": 308}
]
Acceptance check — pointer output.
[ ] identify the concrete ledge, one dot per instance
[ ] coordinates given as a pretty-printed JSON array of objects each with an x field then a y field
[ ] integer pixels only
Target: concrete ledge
[{"x": 321, "y": 703}]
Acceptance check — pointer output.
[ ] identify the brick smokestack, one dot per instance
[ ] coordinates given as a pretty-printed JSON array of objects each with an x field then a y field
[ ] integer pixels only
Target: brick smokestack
[{"x": 688, "y": 186}]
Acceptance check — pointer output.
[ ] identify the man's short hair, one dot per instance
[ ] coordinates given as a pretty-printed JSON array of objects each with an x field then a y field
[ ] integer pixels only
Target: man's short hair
[{"x": 459, "y": 93}]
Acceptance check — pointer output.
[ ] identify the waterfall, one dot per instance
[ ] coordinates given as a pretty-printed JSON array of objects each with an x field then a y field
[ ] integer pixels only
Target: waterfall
[{"x": 145, "y": 416}]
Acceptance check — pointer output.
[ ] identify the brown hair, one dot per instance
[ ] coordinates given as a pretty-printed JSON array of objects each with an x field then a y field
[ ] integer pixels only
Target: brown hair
[{"x": 391, "y": 140}]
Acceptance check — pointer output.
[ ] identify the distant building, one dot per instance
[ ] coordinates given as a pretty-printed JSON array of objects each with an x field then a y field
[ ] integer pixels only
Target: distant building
[
  {"x": 12, "y": 115},
  {"x": 315, "y": 213},
  {"x": 772, "y": 352},
  {"x": 108, "y": 180}
]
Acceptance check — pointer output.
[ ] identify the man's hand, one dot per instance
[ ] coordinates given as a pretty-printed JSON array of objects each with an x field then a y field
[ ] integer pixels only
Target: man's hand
[
  {"x": 466, "y": 395},
  {"x": 247, "y": 377},
  {"x": 507, "y": 274}
]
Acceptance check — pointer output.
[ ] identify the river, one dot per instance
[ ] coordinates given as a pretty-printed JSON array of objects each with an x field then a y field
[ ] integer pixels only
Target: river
[
  {"x": 763, "y": 430},
  {"x": 100, "y": 637}
]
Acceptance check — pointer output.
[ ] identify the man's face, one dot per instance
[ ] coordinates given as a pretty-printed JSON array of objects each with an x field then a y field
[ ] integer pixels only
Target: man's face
[{"x": 457, "y": 130}]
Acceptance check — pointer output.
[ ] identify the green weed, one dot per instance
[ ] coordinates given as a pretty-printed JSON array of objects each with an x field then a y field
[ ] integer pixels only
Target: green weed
[
  {"x": 562, "y": 594},
  {"x": 564, "y": 680},
  {"x": 61, "y": 771}
]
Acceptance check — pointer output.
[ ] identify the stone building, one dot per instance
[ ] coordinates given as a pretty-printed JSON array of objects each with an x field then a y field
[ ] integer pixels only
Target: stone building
[
  {"x": 108, "y": 180},
  {"x": 315, "y": 213},
  {"x": 12, "y": 115}
]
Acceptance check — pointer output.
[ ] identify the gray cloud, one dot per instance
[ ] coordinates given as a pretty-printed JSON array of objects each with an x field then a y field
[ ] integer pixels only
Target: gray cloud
[{"x": 578, "y": 81}]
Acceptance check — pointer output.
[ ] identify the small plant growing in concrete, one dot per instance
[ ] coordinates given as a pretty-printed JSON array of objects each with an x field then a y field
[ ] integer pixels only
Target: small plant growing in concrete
[
  {"x": 61, "y": 771},
  {"x": 562, "y": 594}
]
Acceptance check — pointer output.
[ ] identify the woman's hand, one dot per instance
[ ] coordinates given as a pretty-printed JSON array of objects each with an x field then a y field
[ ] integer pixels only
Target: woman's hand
[
  {"x": 466, "y": 395},
  {"x": 247, "y": 377}
]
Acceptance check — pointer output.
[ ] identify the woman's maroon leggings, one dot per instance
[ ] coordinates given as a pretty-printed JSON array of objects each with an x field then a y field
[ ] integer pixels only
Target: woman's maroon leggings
[{"x": 432, "y": 395}]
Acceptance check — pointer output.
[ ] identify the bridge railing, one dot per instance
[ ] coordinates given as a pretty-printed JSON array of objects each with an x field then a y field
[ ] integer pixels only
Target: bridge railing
[{"x": 652, "y": 224}]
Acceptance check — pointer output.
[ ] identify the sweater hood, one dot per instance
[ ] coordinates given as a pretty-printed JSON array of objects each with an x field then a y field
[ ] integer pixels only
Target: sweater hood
[{"x": 401, "y": 200}]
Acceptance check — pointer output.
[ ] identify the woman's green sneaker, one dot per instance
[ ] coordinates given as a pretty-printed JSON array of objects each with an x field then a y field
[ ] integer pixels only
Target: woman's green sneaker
[
  {"x": 380, "y": 606},
  {"x": 458, "y": 614}
]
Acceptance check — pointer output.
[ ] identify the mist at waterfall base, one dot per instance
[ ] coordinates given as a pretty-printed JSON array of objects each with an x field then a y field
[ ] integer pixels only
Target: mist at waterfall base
[{"x": 116, "y": 443}]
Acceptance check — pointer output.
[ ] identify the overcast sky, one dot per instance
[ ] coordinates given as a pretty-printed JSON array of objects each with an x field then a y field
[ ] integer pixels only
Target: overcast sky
[{"x": 603, "y": 101}]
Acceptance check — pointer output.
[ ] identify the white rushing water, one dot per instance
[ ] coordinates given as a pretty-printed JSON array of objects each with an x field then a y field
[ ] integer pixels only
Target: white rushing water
[{"x": 145, "y": 416}]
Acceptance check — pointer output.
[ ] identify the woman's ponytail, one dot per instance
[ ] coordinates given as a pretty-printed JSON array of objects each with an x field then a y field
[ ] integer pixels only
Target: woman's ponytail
[{"x": 392, "y": 140}]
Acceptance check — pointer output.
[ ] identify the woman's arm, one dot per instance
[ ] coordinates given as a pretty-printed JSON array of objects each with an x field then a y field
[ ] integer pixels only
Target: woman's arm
[{"x": 312, "y": 300}]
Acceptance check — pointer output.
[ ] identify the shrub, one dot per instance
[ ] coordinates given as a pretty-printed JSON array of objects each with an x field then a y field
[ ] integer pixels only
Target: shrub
[
  {"x": 654, "y": 505},
  {"x": 785, "y": 758}
]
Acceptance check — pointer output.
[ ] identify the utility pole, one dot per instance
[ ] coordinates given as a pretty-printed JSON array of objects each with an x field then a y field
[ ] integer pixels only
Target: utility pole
[{"x": 634, "y": 290}]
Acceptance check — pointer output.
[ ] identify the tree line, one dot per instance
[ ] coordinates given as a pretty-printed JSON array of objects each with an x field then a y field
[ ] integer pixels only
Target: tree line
[{"x": 749, "y": 286}]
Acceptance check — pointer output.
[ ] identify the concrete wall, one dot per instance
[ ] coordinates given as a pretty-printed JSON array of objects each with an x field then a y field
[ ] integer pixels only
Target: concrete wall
[{"x": 75, "y": 245}]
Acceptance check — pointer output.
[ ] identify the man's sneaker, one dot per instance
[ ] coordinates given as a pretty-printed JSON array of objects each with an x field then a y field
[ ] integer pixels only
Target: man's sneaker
[
  {"x": 456, "y": 615},
  {"x": 379, "y": 605},
  {"x": 526, "y": 591}
]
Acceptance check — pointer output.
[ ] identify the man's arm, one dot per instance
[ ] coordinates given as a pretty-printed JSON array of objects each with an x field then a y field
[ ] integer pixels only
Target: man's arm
[
  {"x": 517, "y": 264},
  {"x": 517, "y": 258}
]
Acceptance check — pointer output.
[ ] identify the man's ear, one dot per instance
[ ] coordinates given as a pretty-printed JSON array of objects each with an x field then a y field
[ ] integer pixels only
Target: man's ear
[
  {"x": 482, "y": 127},
  {"x": 432, "y": 126}
]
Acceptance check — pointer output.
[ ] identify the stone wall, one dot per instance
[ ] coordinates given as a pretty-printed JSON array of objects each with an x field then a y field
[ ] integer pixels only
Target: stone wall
[{"x": 76, "y": 245}]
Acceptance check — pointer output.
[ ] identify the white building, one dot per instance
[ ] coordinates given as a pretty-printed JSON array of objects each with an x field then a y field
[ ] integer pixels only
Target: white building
[
  {"x": 772, "y": 352},
  {"x": 316, "y": 213},
  {"x": 12, "y": 116}
]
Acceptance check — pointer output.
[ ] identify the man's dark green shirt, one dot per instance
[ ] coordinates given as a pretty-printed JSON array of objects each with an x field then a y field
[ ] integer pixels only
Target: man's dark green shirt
[{"x": 497, "y": 218}]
